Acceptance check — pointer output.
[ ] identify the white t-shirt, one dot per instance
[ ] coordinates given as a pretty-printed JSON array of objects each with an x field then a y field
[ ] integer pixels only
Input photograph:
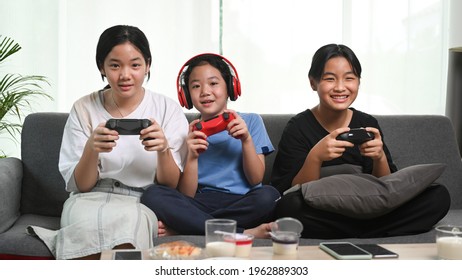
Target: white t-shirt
[{"x": 128, "y": 162}]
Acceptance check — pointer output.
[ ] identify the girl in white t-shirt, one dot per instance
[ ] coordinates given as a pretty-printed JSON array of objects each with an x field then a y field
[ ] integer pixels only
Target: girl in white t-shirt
[{"x": 106, "y": 172}]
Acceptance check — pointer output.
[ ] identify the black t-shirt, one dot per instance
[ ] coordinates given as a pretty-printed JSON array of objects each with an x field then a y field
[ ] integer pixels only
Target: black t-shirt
[{"x": 300, "y": 135}]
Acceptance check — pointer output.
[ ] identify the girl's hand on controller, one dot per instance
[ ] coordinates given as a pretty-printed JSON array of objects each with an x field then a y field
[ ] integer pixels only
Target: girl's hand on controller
[
  {"x": 373, "y": 148},
  {"x": 237, "y": 128},
  {"x": 196, "y": 141},
  {"x": 153, "y": 138},
  {"x": 329, "y": 147},
  {"x": 102, "y": 139}
]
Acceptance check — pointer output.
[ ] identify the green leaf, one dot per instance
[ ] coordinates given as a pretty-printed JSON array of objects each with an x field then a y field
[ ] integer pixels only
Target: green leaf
[
  {"x": 7, "y": 48},
  {"x": 16, "y": 92}
]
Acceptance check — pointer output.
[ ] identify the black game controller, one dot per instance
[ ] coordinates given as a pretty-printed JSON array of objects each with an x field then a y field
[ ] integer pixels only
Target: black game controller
[
  {"x": 356, "y": 136},
  {"x": 128, "y": 126}
]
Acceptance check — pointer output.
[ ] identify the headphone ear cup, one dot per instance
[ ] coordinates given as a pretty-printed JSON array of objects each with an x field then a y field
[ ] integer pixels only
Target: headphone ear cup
[
  {"x": 184, "y": 97},
  {"x": 235, "y": 89},
  {"x": 181, "y": 97},
  {"x": 187, "y": 96},
  {"x": 183, "y": 93}
]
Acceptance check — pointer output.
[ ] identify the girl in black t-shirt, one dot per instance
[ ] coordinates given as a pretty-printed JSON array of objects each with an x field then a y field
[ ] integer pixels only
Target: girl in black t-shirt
[{"x": 309, "y": 143}]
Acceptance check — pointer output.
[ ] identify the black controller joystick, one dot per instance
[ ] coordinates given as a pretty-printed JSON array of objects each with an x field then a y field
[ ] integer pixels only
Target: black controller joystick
[
  {"x": 128, "y": 126},
  {"x": 356, "y": 136}
]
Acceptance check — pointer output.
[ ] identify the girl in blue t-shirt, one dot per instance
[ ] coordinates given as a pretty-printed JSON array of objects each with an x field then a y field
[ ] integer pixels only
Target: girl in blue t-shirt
[{"x": 223, "y": 173}]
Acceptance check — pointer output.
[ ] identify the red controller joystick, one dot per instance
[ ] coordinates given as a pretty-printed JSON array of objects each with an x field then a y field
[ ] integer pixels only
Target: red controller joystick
[{"x": 214, "y": 125}]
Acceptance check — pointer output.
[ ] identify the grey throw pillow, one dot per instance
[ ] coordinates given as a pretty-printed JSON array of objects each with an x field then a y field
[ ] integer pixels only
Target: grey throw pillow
[
  {"x": 340, "y": 169},
  {"x": 365, "y": 196}
]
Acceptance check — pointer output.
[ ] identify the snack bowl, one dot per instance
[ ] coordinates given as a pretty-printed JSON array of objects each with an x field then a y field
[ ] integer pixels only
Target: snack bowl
[{"x": 176, "y": 250}]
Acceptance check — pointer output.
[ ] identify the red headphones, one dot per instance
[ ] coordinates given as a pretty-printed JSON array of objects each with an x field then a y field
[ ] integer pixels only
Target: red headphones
[{"x": 234, "y": 86}]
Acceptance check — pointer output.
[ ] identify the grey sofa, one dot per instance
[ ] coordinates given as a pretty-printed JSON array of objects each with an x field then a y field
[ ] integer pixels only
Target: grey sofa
[{"x": 32, "y": 190}]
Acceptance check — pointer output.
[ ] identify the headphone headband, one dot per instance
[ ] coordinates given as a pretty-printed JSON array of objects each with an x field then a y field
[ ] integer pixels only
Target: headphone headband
[{"x": 234, "y": 86}]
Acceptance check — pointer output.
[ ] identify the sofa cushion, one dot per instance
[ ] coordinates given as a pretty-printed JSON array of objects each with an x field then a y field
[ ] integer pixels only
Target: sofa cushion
[
  {"x": 340, "y": 169},
  {"x": 10, "y": 191},
  {"x": 417, "y": 139},
  {"x": 43, "y": 187},
  {"x": 16, "y": 243},
  {"x": 364, "y": 196}
]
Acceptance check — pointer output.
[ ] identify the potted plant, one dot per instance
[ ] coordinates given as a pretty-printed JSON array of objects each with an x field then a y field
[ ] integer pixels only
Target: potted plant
[{"x": 16, "y": 91}]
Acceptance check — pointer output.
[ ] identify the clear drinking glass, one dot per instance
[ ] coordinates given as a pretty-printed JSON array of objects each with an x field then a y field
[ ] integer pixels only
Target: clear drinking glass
[
  {"x": 219, "y": 237},
  {"x": 449, "y": 242}
]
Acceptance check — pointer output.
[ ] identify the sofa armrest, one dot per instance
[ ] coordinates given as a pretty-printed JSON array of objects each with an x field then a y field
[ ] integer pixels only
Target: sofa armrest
[{"x": 10, "y": 191}]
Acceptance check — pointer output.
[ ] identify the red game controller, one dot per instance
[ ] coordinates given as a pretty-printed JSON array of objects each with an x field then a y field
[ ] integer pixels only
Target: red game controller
[{"x": 214, "y": 125}]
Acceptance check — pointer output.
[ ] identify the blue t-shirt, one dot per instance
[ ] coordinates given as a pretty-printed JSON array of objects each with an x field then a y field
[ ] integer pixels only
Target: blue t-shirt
[{"x": 220, "y": 167}]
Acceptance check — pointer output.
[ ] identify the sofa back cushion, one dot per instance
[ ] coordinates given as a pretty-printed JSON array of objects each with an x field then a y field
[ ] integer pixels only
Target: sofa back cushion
[
  {"x": 417, "y": 139},
  {"x": 411, "y": 139},
  {"x": 275, "y": 124},
  {"x": 43, "y": 188}
]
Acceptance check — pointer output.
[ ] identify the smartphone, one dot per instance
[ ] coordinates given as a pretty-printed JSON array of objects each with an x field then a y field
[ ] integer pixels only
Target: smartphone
[
  {"x": 128, "y": 255},
  {"x": 378, "y": 251},
  {"x": 345, "y": 251}
]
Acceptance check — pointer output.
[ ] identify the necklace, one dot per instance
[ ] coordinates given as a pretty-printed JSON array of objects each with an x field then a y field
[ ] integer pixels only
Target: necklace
[{"x": 115, "y": 103}]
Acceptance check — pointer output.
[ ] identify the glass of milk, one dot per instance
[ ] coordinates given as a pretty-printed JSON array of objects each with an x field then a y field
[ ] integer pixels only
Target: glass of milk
[
  {"x": 449, "y": 242},
  {"x": 219, "y": 237}
]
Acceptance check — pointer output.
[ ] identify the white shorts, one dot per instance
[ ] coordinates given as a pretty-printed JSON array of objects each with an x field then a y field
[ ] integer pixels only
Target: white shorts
[{"x": 99, "y": 220}]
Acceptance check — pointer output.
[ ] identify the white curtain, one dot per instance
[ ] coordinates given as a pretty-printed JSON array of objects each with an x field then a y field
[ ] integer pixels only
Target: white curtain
[{"x": 402, "y": 45}]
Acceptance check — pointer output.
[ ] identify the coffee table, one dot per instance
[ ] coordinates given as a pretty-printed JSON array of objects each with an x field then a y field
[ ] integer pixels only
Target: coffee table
[
  {"x": 421, "y": 251},
  {"x": 417, "y": 251}
]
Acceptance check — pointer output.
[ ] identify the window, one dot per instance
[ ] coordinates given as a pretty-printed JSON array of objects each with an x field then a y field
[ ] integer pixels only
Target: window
[{"x": 402, "y": 45}]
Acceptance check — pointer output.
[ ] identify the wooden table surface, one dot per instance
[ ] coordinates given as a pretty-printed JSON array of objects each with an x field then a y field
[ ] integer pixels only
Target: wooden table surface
[{"x": 418, "y": 251}]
